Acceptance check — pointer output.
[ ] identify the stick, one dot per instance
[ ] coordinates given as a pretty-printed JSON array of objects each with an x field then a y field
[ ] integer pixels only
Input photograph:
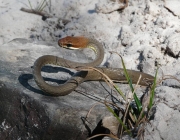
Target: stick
[{"x": 36, "y": 12}]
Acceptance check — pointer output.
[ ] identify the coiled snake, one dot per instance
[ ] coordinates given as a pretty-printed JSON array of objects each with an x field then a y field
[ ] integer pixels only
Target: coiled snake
[{"x": 81, "y": 76}]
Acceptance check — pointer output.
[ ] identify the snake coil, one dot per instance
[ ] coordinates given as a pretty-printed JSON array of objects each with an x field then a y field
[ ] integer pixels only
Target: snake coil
[{"x": 81, "y": 76}]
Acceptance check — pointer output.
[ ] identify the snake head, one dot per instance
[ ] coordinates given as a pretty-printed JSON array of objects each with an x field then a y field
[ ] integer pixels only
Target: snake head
[
  {"x": 72, "y": 43},
  {"x": 66, "y": 43}
]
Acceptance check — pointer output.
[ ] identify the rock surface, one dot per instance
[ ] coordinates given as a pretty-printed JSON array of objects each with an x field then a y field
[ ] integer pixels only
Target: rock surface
[
  {"x": 30, "y": 114},
  {"x": 146, "y": 34}
]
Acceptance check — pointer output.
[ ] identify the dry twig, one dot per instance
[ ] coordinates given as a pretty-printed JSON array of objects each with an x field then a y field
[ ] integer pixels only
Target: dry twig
[{"x": 40, "y": 13}]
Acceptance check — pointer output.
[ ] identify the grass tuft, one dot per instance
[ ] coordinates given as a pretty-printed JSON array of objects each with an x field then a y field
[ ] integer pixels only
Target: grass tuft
[
  {"x": 40, "y": 7},
  {"x": 134, "y": 117}
]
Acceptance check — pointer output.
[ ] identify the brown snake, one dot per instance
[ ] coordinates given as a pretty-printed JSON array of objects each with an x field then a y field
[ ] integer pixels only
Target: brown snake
[{"x": 116, "y": 74}]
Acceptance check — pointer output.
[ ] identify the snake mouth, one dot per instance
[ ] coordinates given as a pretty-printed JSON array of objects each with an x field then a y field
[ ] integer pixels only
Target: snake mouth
[{"x": 68, "y": 46}]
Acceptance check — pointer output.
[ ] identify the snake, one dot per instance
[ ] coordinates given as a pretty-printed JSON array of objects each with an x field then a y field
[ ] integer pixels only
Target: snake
[{"x": 80, "y": 42}]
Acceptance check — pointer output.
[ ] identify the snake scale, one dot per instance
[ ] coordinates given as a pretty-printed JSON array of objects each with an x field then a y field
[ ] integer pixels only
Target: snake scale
[{"x": 69, "y": 42}]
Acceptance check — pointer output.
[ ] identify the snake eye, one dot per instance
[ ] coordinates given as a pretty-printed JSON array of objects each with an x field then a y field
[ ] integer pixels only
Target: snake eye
[{"x": 69, "y": 45}]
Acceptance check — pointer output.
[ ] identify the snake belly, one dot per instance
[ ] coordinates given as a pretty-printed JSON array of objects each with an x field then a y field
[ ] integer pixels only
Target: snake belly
[{"x": 116, "y": 74}]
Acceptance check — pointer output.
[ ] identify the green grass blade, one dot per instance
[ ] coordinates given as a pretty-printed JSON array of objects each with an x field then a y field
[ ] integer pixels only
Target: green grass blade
[
  {"x": 41, "y": 5},
  {"x": 120, "y": 121},
  {"x": 137, "y": 101},
  {"x": 120, "y": 92},
  {"x": 30, "y": 4},
  {"x": 152, "y": 91}
]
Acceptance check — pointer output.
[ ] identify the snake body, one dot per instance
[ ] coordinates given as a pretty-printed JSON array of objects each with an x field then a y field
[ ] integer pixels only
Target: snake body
[{"x": 116, "y": 74}]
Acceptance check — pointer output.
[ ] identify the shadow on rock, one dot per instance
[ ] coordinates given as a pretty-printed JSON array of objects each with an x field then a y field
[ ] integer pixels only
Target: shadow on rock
[
  {"x": 24, "y": 78},
  {"x": 50, "y": 69}
]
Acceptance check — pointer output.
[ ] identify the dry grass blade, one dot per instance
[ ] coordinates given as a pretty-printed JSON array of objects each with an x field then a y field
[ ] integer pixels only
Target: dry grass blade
[
  {"x": 170, "y": 77},
  {"x": 102, "y": 101},
  {"x": 96, "y": 98},
  {"x": 127, "y": 124},
  {"x": 87, "y": 115},
  {"x": 139, "y": 118},
  {"x": 92, "y": 68},
  {"x": 124, "y": 118},
  {"x": 165, "y": 77},
  {"x": 106, "y": 79},
  {"x": 114, "y": 105},
  {"x": 127, "y": 108}
]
